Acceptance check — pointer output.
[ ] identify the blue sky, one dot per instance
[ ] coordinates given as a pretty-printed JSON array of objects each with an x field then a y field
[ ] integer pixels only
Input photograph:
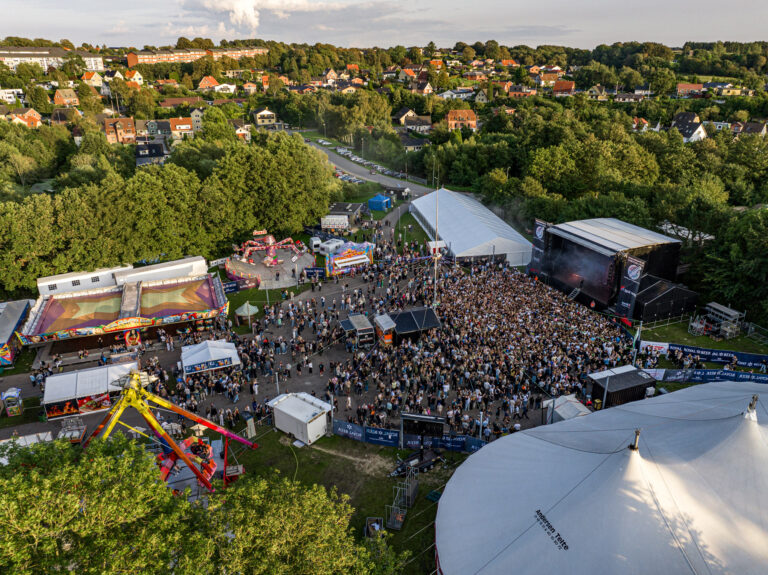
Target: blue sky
[{"x": 384, "y": 23}]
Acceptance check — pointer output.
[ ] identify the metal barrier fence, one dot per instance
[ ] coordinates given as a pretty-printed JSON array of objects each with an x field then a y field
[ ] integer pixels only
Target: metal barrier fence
[{"x": 391, "y": 438}]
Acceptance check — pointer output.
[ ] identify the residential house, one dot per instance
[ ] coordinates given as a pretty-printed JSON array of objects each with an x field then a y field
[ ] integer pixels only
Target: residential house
[
  {"x": 438, "y": 64},
  {"x": 481, "y": 97},
  {"x": 533, "y": 70},
  {"x": 476, "y": 76},
  {"x": 644, "y": 90},
  {"x": 628, "y": 98},
  {"x": 134, "y": 76},
  {"x": 110, "y": 75},
  {"x": 359, "y": 82},
  {"x": 419, "y": 124},
  {"x": 353, "y": 68},
  {"x": 406, "y": 75},
  {"x": 26, "y": 116},
  {"x": 225, "y": 88},
  {"x": 133, "y": 85},
  {"x": 509, "y": 64},
  {"x": 160, "y": 128},
  {"x": 688, "y": 90},
  {"x": 390, "y": 73},
  {"x": 403, "y": 114},
  {"x": 197, "y": 119},
  {"x": 640, "y": 125},
  {"x": 413, "y": 144},
  {"x": 461, "y": 119},
  {"x": 457, "y": 94},
  {"x": 181, "y": 128},
  {"x": 344, "y": 88},
  {"x": 563, "y": 88},
  {"x": 503, "y": 110},
  {"x": 732, "y": 91},
  {"x": 66, "y": 97},
  {"x": 553, "y": 70},
  {"x": 169, "y": 83},
  {"x": 64, "y": 115},
  {"x": 477, "y": 63},
  {"x": 207, "y": 83},
  {"x": 757, "y": 128},
  {"x": 149, "y": 153},
  {"x": 221, "y": 101},
  {"x": 10, "y": 95},
  {"x": 141, "y": 128},
  {"x": 521, "y": 91},
  {"x": 250, "y": 88},
  {"x": 92, "y": 79},
  {"x": 330, "y": 76},
  {"x": 265, "y": 82},
  {"x": 4, "y": 112},
  {"x": 690, "y": 127},
  {"x": 184, "y": 101},
  {"x": 242, "y": 130},
  {"x": 264, "y": 118},
  {"x": 545, "y": 79},
  {"x": 719, "y": 126},
  {"x": 423, "y": 88},
  {"x": 120, "y": 130},
  {"x": 598, "y": 93}
]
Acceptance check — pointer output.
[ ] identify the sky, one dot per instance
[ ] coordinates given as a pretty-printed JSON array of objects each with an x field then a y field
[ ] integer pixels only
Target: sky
[{"x": 385, "y": 23}]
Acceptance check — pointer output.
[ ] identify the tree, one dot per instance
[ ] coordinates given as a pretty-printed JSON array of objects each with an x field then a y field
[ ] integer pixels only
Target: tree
[
  {"x": 141, "y": 103},
  {"x": 430, "y": 50},
  {"x": 468, "y": 53},
  {"x": 216, "y": 127}
]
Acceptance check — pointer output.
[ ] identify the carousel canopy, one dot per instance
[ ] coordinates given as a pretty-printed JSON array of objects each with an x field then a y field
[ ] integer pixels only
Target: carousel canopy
[
  {"x": 209, "y": 355},
  {"x": 573, "y": 497}
]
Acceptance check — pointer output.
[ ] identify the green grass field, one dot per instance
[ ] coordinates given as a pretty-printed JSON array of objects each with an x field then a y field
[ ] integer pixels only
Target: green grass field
[
  {"x": 678, "y": 333},
  {"x": 23, "y": 363},
  {"x": 414, "y": 233},
  {"x": 31, "y": 413},
  {"x": 360, "y": 471}
]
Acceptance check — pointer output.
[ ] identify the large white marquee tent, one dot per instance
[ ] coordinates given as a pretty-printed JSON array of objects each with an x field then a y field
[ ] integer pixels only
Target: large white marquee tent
[
  {"x": 468, "y": 228},
  {"x": 573, "y": 497}
]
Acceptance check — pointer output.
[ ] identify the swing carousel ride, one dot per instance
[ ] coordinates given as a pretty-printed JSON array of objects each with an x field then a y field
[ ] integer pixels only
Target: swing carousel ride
[{"x": 197, "y": 455}]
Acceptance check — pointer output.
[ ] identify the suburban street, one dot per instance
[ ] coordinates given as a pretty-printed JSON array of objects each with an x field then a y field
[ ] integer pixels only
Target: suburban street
[{"x": 365, "y": 174}]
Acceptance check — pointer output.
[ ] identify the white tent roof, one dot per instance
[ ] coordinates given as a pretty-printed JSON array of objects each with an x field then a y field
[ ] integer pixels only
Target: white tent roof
[
  {"x": 469, "y": 228},
  {"x": 566, "y": 407},
  {"x": 85, "y": 382},
  {"x": 208, "y": 351},
  {"x": 301, "y": 406},
  {"x": 692, "y": 499}
]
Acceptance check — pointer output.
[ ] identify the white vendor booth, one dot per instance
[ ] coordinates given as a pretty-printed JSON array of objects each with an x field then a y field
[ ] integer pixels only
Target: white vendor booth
[
  {"x": 302, "y": 415},
  {"x": 208, "y": 355},
  {"x": 84, "y": 391}
]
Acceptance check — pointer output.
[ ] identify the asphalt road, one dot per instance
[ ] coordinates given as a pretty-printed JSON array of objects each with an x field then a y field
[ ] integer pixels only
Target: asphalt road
[{"x": 365, "y": 174}]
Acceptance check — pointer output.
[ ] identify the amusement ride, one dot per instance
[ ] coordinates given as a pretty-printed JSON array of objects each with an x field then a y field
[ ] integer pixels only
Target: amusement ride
[{"x": 193, "y": 452}]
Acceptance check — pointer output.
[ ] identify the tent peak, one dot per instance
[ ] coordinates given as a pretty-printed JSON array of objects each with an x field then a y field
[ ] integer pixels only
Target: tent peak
[
  {"x": 634, "y": 445},
  {"x": 751, "y": 412}
]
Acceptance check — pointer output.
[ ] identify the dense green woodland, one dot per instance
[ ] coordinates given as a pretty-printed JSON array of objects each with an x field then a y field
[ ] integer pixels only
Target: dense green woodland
[
  {"x": 104, "y": 512},
  {"x": 212, "y": 192}
]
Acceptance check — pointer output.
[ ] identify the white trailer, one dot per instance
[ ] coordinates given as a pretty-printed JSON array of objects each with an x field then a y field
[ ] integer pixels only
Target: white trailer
[
  {"x": 334, "y": 222},
  {"x": 301, "y": 415}
]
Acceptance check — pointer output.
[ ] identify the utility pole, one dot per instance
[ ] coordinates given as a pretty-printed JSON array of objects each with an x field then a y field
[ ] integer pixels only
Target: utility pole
[{"x": 437, "y": 238}]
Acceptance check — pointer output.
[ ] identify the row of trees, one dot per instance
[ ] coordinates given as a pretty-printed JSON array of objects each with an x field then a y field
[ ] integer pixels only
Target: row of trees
[
  {"x": 106, "y": 512},
  {"x": 214, "y": 191}
]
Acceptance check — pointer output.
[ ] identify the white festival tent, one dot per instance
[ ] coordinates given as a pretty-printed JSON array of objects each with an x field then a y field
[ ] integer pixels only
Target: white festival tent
[
  {"x": 209, "y": 355},
  {"x": 565, "y": 407},
  {"x": 85, "y": 382},
  {"x": 573, "y": 497},
  {"x": 468, "y": 228}
]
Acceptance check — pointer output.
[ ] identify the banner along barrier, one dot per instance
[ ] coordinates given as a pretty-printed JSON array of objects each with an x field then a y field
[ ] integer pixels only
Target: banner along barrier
[
  {"x": 711, "y": 355},
  {"x": 705, "y": 375},
  {"x": 391, "y": 438}
]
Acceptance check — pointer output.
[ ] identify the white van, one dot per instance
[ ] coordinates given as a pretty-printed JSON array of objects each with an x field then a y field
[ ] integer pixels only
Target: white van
[
  {"x": 330, "y": 247},
  {"x": 314, "y": 244}
]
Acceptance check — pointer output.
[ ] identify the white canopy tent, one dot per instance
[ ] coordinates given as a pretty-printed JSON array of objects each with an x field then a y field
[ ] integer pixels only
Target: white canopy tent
[
  {"x": 209, "y": 355},
  {"x": 574, "y": 498},
  {"x": 564, "y": 407},
  {"x": 85, "y": 382},
  {"x": 468, "y": 228}
]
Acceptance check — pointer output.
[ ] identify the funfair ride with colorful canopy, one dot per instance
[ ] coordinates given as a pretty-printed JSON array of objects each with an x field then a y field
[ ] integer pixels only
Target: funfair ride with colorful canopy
[{"x": 193, "y": 452}]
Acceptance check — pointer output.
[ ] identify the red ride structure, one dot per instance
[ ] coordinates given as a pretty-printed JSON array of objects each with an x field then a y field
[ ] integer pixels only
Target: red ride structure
[{"x": 264, "y": 242}]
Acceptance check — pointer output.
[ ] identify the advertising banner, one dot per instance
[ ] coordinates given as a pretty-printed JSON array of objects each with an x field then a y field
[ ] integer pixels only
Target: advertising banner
[
  {"x": 315, "y": 272},
  {"x": 706, "y": 375},
  {"x": 349, "y": 430},
  {"x": 207, "y": 365},
  {"x": 230, "y": 287},
  {"x": 537, "y": 253},
  {"x": 91, "y": 403},
  {"x": 387, "y": 437},
  {"x": 710, "y": 355},
  {"x": 630, "y": 285},
  {"x": 61, "y": 409}
]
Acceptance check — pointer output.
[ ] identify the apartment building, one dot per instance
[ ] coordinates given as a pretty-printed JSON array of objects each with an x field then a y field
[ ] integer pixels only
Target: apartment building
[{"x": 47, "y": 57}]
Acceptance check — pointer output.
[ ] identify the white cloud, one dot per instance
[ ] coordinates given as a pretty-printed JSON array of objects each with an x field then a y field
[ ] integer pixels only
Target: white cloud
[{"x": 246, "y": 14}]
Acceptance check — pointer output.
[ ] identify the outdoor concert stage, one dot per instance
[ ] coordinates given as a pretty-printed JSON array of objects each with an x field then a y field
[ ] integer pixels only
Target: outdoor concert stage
[{"x": 608, "y": 263}]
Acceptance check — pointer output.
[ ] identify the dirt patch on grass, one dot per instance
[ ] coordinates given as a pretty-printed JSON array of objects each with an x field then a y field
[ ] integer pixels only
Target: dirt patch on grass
[{"x": 371, "y": 464}]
